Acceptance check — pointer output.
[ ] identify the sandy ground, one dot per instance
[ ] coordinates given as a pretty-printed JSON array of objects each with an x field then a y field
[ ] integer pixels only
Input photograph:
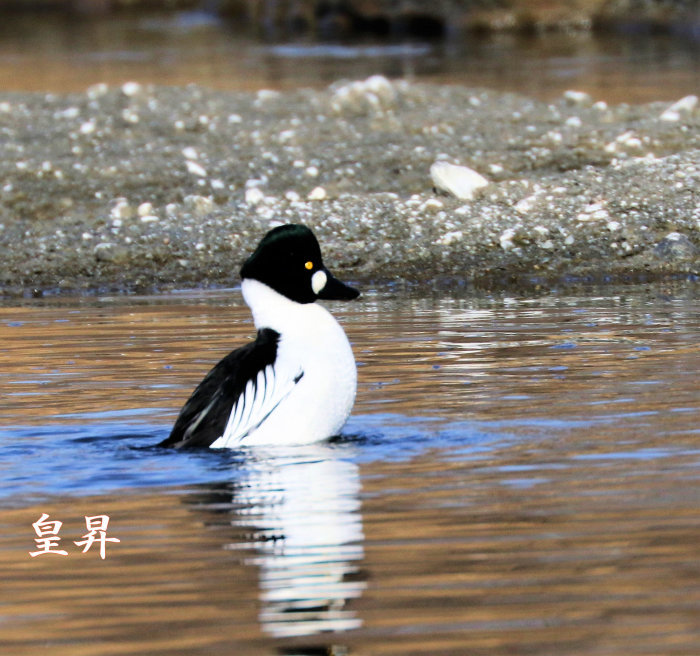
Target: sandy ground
[{"x": 148, "y": 188}]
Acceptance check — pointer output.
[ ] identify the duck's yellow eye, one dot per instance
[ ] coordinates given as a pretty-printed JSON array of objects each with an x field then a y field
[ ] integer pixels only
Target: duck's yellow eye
[{"x": 309, "y": 265}]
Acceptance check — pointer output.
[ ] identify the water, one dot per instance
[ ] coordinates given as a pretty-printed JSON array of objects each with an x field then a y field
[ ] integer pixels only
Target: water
[
  {"x": 46, "y": 53},
  {"x": 519, "y": 476}
]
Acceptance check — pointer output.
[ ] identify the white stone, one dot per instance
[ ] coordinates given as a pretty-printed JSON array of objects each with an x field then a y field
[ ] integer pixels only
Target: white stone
[
  {"x": 626, "y": 140},
  {"x": 432, "y": 205},
  {"x": 451, "y": 237},
  {"x": 200, "y": 205},
  {"x": 121, "y": 210},
  {"x": 375, "y": 94},
  {"x": 593, "y": 212},
  {"x": 292, "y": 196},
  {"x": 683, "y": 106},
  {"x": 312, "y": 171},
  {"x": 254, "y": 195},
  {"x": 149, "y": 218},
  {"x": 460, "y": 181},
  {"x": 506, "y": 239},
  {"x": 131, "y": 88},
  {"x": 318, "y": 193},
  {"x": 235, "y": 118},
  {"x": 69, "y": 112},
  {"x": 573, "y": 122},
  {"x": 97, "y": 90},
  {"x": 286, "y": 135},
  {"x": 190, "y": 153},
  {"x": 88, "y": 127},
  {"x": 577, "y": 97},
  {"x": 144, "y": 209},
  {"x": 525, "y": 205},
  {"x": 265, "y": 95},
  {"x": 196, "y": 169}
]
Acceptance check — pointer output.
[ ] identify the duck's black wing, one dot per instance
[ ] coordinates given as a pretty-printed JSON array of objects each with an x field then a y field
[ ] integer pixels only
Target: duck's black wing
[{"x": 204, "y": 418}]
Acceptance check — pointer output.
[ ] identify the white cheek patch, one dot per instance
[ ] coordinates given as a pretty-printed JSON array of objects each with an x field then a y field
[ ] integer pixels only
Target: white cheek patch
[{"x": 318, "y": 281}]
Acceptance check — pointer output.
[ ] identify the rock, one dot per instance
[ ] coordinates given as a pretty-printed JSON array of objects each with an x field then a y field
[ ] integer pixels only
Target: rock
[
  {"x": 195, "y": 169},
  {"x": 318, "y": 193},
  {"x": 459, "y": 181},
  {"x": 376, "y": 94},
  {"x": 199, "y": 205},
  {"x": 685, "y": 105},
  {"x": 579, "y": 98},
  {"x": 131, "y": 89},
  {"x": 676, "y": 246},
  {"x": 110, "y": 252},
  {"x": 254, "y": 195}
]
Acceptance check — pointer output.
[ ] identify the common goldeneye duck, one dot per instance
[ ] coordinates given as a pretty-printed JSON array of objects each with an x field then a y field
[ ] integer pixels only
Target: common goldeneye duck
[{"x": 294, "y": 384}]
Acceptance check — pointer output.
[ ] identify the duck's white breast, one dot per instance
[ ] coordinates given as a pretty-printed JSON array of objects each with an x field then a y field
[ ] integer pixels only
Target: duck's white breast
[{"x": 312, "y": 344}]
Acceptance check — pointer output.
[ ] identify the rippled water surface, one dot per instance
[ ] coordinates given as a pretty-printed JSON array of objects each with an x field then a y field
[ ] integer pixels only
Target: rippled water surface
[{"x": 519, "y": 476}]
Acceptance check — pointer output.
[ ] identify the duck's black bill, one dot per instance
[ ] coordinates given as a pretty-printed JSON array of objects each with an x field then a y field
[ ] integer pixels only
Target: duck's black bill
[{"x": 334, "y": 290}]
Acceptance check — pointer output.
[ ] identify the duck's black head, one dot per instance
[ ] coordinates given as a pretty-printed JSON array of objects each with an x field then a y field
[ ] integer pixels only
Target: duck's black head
[{"x": 288, "y": 259}]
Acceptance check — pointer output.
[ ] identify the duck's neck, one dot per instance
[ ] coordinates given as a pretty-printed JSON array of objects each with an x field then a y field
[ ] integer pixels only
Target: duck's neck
[{"x": 273, "y": 310}]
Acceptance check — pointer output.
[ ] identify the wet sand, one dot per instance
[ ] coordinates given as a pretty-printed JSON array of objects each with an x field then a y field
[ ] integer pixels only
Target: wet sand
[{"x": 140, "y": 188}]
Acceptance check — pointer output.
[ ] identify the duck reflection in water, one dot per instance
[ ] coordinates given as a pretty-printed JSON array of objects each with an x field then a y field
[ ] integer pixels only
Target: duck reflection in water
[{"x": 299, "y": 507}]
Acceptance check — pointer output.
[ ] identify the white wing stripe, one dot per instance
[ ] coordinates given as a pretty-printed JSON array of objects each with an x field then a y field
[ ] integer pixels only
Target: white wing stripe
[{"x": 259, "y": 399}]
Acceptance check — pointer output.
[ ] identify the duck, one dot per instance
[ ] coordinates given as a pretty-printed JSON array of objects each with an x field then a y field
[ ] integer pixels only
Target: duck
[{"x": 296, "y": 382}]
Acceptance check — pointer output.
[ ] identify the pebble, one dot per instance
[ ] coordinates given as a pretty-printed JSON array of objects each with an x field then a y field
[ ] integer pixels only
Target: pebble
[
  {"x": 676, "y": 246},
  {"x": 460, "y": 181},
  {"x": 506, "y": 239},
  {"x": 318, "y": 193},
  {"x": 685, "y": 105},
  {"x": 121, "y": 210},
  {"x": 376, "y": 94},
  {"x": 580, "y": 98},
  {"x": 131, "y": 89},
  {"x": 97, "y": 91},
  {"x": 593, "y": 212},
  {"x": 144, "y": 209},
  {"x": 88, "y": 127},
  {"x": 554, "y": 208},
  {"x": 195, "y": 169},
  {"x": 200, "y": 205},
  {"x": 254, "y": 195}
]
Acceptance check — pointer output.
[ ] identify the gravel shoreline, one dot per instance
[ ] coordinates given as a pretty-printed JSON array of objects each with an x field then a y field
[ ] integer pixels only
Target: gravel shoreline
[{"x": 142, "y": 188}]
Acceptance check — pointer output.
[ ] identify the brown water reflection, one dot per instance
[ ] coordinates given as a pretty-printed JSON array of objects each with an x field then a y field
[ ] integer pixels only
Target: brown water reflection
[
  {"x": 527, "y": 483},
  {"x": 57, "y": 54}
]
